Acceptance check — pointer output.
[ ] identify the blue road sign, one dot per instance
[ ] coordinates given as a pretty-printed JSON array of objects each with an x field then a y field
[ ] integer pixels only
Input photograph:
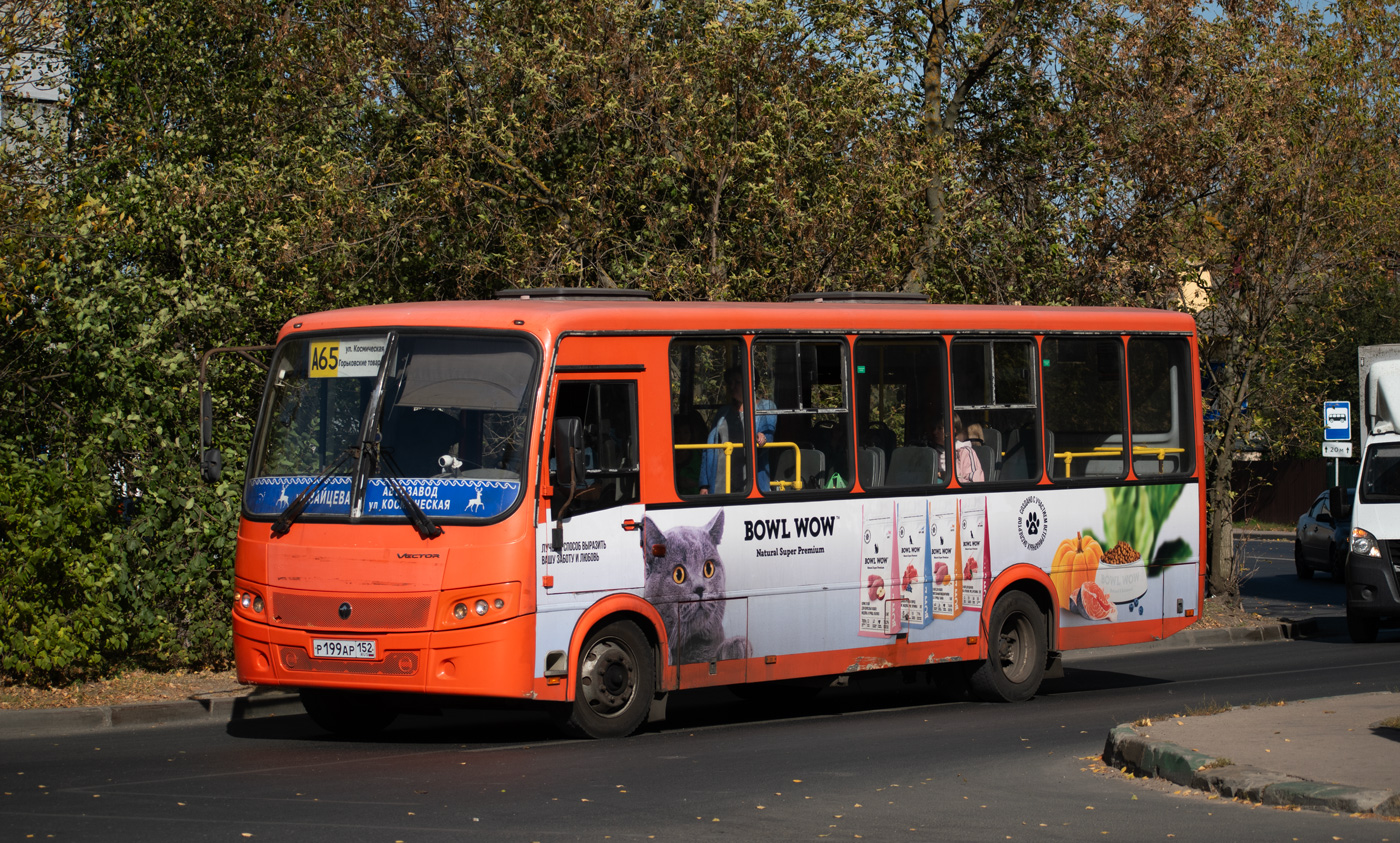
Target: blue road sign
[{"x": 1336, "y": 418}]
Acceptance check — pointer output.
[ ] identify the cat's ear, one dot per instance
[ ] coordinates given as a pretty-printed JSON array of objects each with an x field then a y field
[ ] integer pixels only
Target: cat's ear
[
  {"x": 716, "y": 528},
  {"x": 651, "y": 536}
]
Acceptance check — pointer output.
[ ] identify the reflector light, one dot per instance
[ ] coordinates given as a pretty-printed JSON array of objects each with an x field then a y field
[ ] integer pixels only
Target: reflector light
[
  {"x": 481, "y": 607},
  {"x": 246, "y": 600},
  {"x": 500, "y": 604},
  {"x": 459, "y": 611},
  {"x": 257, "y": 605}
]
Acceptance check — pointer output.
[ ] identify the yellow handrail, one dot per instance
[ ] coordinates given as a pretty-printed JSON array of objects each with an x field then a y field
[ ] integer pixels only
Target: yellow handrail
[
  {"x": 795, "y": 483},
  {"x": 1111, "y": 450},
  {"x": 728, "y": 448}
]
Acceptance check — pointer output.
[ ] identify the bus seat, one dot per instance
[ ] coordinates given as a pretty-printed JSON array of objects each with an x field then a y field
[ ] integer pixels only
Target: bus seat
[
  {"x": 1013, "y": 465},
  {"x": 984, "y": 456},
  {"x": 879, "y": 435},
  {"x": 912, "y": 465},
  {"x": 813, "y": 466},
  {"x": 872, "y": 467}
]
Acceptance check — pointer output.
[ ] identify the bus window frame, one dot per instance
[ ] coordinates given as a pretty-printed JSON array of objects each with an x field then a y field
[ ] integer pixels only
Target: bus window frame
[
  {"x": 1124, "y": 474},
  {"x": 687, "y": 380}
]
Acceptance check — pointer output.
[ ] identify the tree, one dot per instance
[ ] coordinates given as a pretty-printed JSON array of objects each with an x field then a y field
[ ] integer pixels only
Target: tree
[{"x": 1254, "y": 152}]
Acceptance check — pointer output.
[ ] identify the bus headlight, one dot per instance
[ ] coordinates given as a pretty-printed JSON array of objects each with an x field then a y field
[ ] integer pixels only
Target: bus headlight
[
  {"x": 248, "y": 602},
  {"x": 1364, "y": 544},
  {"x": 478, "y": 605}
]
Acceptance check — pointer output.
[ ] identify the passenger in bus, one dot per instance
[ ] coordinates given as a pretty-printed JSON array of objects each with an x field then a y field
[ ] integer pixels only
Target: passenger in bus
[
  {"x": 965, "y": 462},
  {"x": 729, "y": 427}
]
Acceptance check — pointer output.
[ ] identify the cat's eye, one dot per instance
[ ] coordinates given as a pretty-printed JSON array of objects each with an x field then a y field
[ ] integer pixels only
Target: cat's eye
[
  {"x": 709, "y": 568},
  {"x": 678, "y": 575}
]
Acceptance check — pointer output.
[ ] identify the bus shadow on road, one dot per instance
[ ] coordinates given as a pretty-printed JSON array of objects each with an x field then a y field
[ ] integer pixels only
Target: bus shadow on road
[{"x": 1079, "y": 679}]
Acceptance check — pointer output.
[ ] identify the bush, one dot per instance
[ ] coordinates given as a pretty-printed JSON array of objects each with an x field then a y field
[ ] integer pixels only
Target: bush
[{"x": 61, "y": 616}]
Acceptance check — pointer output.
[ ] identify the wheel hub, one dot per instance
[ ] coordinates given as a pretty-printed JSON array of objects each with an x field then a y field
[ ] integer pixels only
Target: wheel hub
[{"x": 609, "y": 678}]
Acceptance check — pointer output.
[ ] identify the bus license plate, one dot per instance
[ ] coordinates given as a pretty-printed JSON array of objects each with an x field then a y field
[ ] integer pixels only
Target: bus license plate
[{"x": 340, "y": 648}]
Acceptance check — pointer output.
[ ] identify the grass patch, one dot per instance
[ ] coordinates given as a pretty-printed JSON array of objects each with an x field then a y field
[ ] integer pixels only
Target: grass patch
[
  {"x": 1217, "y": 763},
  {"x": 1207, "y": 708},
  {"x": 1390, "y": 723},
  {"x": 1270, "y": 526}
]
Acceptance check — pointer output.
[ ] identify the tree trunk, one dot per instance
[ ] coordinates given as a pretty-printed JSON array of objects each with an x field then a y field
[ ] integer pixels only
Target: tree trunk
[{"x": 1222, "y": 578}]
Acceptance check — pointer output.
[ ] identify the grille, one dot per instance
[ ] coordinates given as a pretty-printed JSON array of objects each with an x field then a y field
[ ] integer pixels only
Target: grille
[
  {"x": 314, "y": 611},
  {"x": 394, "y": 663}
]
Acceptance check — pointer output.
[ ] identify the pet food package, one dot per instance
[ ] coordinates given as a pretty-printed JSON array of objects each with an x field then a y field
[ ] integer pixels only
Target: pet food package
[
  {"x": 945, "y": 580},
  {"x": 879, "y": 588},
  {"x": 914, "y": 572},
  {"x": 976, "y": 578}
]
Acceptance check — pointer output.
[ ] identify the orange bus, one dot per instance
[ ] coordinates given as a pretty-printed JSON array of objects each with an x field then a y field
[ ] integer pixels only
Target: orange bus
[{"x": 589, "y": 500}]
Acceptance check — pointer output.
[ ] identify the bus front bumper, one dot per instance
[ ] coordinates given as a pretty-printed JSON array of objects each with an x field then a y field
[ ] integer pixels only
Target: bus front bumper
[{"x": 494, "y": 660}]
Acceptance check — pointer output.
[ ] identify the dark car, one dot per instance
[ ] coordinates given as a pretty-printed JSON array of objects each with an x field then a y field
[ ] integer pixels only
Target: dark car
[{"x": 1322, "y": 540}]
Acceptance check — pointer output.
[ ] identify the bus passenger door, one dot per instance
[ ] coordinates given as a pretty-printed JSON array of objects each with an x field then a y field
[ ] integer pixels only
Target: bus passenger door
[{"x": 601, "y": 521}]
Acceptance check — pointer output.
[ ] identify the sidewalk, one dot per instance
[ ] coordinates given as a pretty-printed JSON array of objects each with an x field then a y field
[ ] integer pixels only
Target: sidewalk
[
  {"x": 1336, "y": 755},
  {"x": 217, "y": 709}
]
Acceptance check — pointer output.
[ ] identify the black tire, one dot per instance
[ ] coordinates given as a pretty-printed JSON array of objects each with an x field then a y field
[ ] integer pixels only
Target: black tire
[
  {"x": 1363, "y": 629},
  {"x": 614, "y": 683},
  {"x": 1016, "y": 650},
  {"x": 346, "y": 713},
  {"x": 1300, "y": 564}
]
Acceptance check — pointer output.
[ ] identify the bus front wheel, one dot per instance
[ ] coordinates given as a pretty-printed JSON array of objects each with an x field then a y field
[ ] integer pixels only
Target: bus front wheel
[
  {"x": 1016, "y": 650},
  {"x": 615, "y": 683}
]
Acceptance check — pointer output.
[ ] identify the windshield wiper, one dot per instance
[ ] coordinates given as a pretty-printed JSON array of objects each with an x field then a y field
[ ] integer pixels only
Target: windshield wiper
[
  {"x": 420, "y": 521},
  {"x": 284, "y": 522}
]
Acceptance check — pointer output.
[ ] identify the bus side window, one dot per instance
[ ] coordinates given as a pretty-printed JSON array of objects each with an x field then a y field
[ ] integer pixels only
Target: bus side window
[
  {"x": 802, "y": 426},
  {"x": 608, "y": 410},
  {"x": 996, "y": 397},
  {"x": 901, "y": 413},
  {"x": 1159, "y": 381},
  {"x": 709, "y": 409},
  {"x": 1084, "y": 407}
]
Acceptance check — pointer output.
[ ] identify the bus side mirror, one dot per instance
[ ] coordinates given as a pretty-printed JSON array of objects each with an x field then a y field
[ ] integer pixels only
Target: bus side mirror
[
  {"x": 568, "y": 452},
  {"x": 1339, "y": 503},
  {"x": 211, "y": 462}
]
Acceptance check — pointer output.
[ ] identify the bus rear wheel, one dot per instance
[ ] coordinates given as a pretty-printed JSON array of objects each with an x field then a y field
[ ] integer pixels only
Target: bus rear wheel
[
  {"x": 346, "y": 713},
  {"x": 614, "y": 684},
  {"x": 1016, "y": 649}
]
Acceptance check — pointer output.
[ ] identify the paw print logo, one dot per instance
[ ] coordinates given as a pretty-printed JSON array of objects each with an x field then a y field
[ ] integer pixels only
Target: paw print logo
[{"x": 1032, "y": 523}]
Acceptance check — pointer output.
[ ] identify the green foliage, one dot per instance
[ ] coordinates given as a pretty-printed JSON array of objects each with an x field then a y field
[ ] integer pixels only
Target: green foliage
[
  {"x": 219, "y": 167},
  {"x": 60, "y": 609}
]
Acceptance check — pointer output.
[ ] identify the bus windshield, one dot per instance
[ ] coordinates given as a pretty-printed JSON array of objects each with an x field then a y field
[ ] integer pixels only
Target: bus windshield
[{"x": 451, "y": 422}]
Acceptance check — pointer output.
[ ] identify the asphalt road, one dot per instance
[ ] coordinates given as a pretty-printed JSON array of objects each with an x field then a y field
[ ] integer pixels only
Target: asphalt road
[
  {"x": 1271, "y": 586},
  {"x": 877, "y": 761},
  {"x": 889, "y": 762}
]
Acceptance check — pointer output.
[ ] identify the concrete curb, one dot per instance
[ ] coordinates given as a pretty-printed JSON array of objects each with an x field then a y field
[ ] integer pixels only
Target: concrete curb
[
  {"x": 53, "y": 722},
  {"x": 1144, "y": 756}
]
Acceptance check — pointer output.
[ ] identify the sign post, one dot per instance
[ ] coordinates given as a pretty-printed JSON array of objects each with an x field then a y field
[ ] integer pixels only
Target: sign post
[{"x": 1336, "y": 435}]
